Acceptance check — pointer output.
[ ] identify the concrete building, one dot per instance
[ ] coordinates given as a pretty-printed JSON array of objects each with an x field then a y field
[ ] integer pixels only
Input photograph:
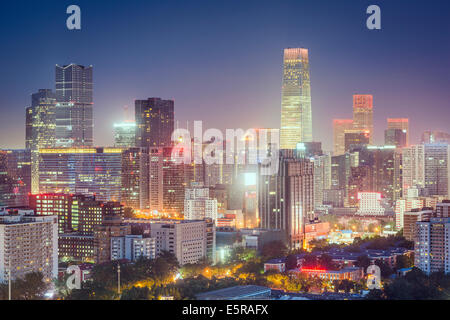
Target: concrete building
[
  {"x": 189, "y": 240},
  {"x": 432, "y": 248},
  {"x": 370, "y": 204},
  {"x": 111, "y": 227},
  {"x": 29, "y": 243},
  {"x": 198, "y": 205},
  {"x": 133, "y": 247},
  {"x": 410, "y": 220}
]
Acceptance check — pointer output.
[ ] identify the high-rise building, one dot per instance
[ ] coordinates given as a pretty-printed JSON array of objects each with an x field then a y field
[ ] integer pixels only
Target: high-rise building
[
  {"x": 405, "y": 205},
  {"x": 86, "y": 171},
  {"x": 432, "y": 247},
  {"x": 40, "y": 129},
  {"x": 410, "y": 219},
  {"x": 74, "y": 114},
  {"x": 427, "y": 167},
  {"x": 401, "y": 124},
  {"x": 15, "y": 177},
  {"x": 339, "y": 127},
  {"x": 125, "y": 134},
  {"x": 198, "y": 205},
  {"x": 296, "y": 118},
  {"x": 363, "y": 113},
  {"x": 395, "y": 137},
  {"x": 322, "y": 177},
  {"x": 356, "y": 138},
  {"x": 174, "y": 183},
  {"x": 135, "y": 178},
  {"x": 286, "y": 199},
  {"x": 29, "y": 244},
  {"x": 155, "y": 183},
  {"x": 111, "y": 227},
  {"x": 154, "y": 122}
]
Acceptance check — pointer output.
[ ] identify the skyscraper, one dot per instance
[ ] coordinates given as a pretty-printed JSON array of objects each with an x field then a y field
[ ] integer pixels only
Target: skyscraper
[
  {"x": 296, "y": 118},
  {"x": 401, "y": 124},
  {"x": 363, "y": 113},
  {"x": 135, "y": 178},
  {"x": 339, "y": 127},
  {"x": 125, "y": 134},
  {"x": 74, "y": 114},
  {"x": 154, "y": 122},
  {"x": 40, "y": 129},
  {"x": 427, "y": 167},
  {"x": 286, "y": 199}
]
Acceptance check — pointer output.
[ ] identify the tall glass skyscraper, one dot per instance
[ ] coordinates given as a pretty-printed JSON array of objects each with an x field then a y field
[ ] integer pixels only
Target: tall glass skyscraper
[
  {"x": 40, "y": 129},
  {"x": 154, "y": 122},
  {"x": 74, "y": 115},
  {"x": 363, "y": 113},
  {"x": 296, "y": 119}
]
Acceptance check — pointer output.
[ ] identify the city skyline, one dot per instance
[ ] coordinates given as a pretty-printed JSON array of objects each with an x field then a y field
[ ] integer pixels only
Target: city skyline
[{"x": 229, "y": 81}]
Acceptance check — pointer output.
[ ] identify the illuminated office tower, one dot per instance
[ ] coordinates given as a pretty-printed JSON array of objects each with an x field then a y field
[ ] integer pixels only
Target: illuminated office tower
[
  {"x": 154, "y": 122},
  {"x": 413, "y": 167},
  {"x": 74, "y": 114},
  {"x": 85, "y": 171},
  {"x": 40, "y": 129},
  {"x": 286, "y": 199},
  {"x": 401, "y": 124},
  {"x": 339, "y": 127},
  {"x": 15, "y": 177},
  {"x": 436, "y": 168},
  {"x": 395, "y": 137},
  {"x": 363, "y": 113},
  {"x": 296, "y": 119},
  {"x": 173, "y": 183},
  {"x": 155, "y": 183},
  {"x": 426, "y": 166},
  {"x": 356, "y": 137},
  {"x": 135, "y": 177},
  {"x": 322, "y": 177},
  {"x": 125, "y": 134}
]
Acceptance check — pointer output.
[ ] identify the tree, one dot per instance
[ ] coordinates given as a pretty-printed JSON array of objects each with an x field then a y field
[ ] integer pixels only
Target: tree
[
  {"x": 385, "y": 269},
  {"x": 274, "y": 249},
  {"x": 403, "y": 261},
  {"x": 31, "y": 287},
  {"x": 363, "y": 262},
  {"x": 291, "y": 262},
  {"x": 136, "y": 293}
]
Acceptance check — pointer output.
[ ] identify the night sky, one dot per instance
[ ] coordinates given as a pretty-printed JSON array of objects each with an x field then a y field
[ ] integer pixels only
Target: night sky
[{"x": 221, "y": 61}]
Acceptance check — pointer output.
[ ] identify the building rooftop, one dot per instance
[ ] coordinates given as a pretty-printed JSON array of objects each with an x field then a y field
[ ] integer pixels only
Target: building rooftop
[{"x": 235, "y": 293}]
